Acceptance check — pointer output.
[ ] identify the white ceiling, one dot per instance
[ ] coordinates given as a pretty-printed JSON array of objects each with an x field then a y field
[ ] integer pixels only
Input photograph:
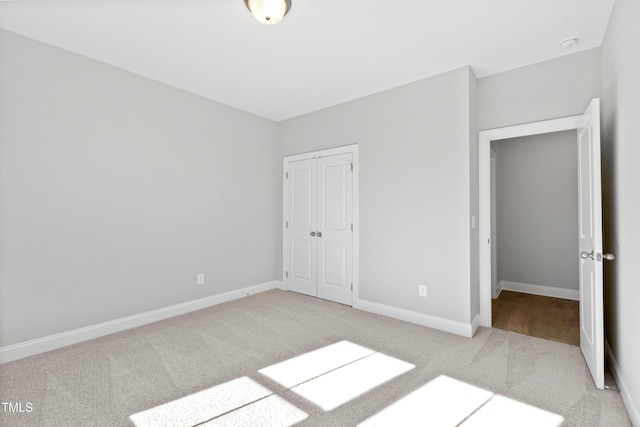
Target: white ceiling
[{"x": 323, "y": 53}]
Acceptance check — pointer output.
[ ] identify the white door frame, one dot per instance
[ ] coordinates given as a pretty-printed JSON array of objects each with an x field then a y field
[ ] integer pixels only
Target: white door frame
[
  {"x": 354, "y": 150},
  {"x": 485, "y": 137}
]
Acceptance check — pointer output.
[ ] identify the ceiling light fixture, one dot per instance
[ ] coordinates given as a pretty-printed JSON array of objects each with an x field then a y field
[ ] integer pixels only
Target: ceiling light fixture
[
  {"x": 568, "y": 42},
  {"x": 268, "y": 11}
]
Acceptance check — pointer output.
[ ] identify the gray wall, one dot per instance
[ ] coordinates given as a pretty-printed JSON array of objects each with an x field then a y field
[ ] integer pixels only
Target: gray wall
[
  {"x": 621, "y": 185},
  {"x": 537, "y": 210},
  {"x": 414, "y": 188},
  {"x": 115, "y": 191},
  {"x": 548, "y": 90}
]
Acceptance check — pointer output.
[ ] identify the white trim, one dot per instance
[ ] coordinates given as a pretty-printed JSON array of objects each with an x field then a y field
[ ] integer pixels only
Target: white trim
[
  {"x": 632, "y": 409},
  {"x": 535, "y": 128},
  {"x": 475, "y": 324},
  {"x": 545, "y": 291},
  {"x": 322, "y": 153},
  {"x": 285, "y": 172},
  {"x": 484, "y": 153},
  {"x": 446, "y": 325},
  {"x": 52, "y": 342},
  {"x": 354, "y": 149}
]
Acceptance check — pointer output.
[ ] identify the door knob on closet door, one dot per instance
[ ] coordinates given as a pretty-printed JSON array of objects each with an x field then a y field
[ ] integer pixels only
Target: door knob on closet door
[
  {"x": 319, "y": 234},
  {"x": 586, "y": 255},
  {"x": 312, "y": 234}
]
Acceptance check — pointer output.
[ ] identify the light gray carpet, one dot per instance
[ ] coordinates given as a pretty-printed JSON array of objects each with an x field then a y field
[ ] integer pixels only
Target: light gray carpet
[{"x": 219, "y": 366}]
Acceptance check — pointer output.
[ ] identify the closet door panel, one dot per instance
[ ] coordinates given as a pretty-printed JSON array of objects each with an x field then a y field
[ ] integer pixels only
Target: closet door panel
[
  {"x": 302, "y": 219},
  {"x": 335, "y": 235}
]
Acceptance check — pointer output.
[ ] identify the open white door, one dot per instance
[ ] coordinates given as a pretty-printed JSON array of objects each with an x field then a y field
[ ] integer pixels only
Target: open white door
[{"x": 590, "y": 242}]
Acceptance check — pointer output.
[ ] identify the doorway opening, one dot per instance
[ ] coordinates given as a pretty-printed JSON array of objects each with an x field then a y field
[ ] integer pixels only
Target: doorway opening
[
  {"x": 485, "y": 140},
  {"x": 534, "y": 218},
  {"x": 591, "y": 257}
]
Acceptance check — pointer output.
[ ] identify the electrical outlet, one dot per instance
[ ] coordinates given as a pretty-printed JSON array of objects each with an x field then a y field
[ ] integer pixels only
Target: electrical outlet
[
  {"x": 422, "y": 291},
  {"x": 200, "y": 279}
]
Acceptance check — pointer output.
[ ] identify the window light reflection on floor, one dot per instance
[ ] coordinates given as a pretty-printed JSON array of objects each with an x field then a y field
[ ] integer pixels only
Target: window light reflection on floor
[
  {"x": 501, "y": 411},
  {"x": 241, "y": 398},
  {"x": 271, "y": 411},
  {"x": 448, "y": 402},
  {"x": 307, "y": 366},
  {"x": 348, "y": 382},
  {"x": 336, "y": 374}
]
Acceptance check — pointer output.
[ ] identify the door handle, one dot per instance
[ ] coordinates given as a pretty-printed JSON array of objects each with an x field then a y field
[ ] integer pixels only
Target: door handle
[
  {"x": 319, "y": 234},
  {"x": 313, "y": 233},
  {"x": 586, "y": 255}
]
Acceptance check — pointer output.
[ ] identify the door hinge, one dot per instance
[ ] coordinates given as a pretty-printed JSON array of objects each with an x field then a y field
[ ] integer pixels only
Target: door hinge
[
  {"x": 286, "y": 175},
  {"x": 286, "y": 275},
  {"x": 351, "y": 167},
  {"x": 352, "y": 287},
  {"x": 287, "y": 224},
  {"x": 351, "y": 226}
]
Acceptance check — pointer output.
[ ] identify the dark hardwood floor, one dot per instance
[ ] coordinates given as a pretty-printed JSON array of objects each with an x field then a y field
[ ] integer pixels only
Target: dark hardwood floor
[{"x": 543, "y": 317}]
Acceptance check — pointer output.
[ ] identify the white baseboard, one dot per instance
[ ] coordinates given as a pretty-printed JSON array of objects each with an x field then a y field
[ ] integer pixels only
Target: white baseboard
[
  {"x": 475, "y": 323},
  {"x": 446, "y": 325},
  {"x": 498, "y": 290},
  {"x": 545, "y": 291},
  {"x": 630, "y": 405},
  {"x": 52, "y": 342},
  {"x": 498, "y": 293}
]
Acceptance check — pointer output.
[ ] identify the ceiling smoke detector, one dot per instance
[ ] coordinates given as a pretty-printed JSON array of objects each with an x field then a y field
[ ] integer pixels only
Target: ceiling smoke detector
[{"x": 568, "y": 42}]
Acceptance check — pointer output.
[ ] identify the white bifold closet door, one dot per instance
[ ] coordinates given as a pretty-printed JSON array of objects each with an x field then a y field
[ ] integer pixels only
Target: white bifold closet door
[{"x": 319, "y": 227}]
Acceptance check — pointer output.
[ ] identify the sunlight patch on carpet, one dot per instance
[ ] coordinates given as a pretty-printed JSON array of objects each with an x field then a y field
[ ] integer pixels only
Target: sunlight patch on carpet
[
  {"x": 501, "y": 411},
  {"x": 213, "y": 402},
  {"x": 442, "y": 401},
  {"x": 344, "y": 384},
  {"x": 445, "y": 401},
  {"x": 307, "y": 366},
  {"x": 271, "y": 411},
  {"x": 336, "y": 374}
]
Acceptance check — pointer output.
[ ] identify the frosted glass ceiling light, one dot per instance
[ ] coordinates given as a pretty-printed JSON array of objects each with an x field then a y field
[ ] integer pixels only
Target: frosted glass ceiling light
[{"x": 268, "y": 11}]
